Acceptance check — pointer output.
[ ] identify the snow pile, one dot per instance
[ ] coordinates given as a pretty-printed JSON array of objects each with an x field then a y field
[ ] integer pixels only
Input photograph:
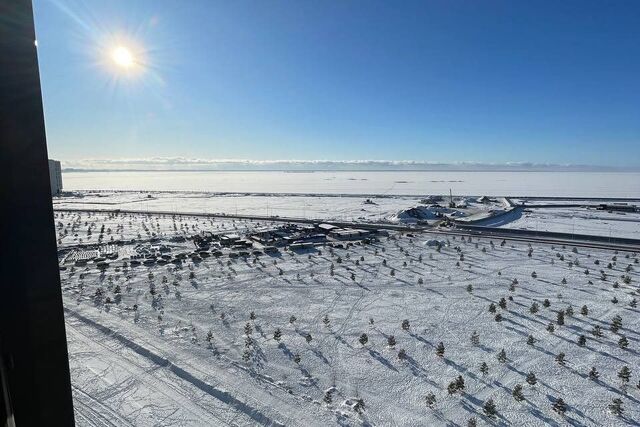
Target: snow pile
[
  {"x": 423, "y": 213},
  {"x": 435, "y": 243}
]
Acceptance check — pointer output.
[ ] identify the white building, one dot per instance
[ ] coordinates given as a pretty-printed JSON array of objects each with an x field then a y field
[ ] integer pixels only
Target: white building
[{"x": 55, "y": 177}]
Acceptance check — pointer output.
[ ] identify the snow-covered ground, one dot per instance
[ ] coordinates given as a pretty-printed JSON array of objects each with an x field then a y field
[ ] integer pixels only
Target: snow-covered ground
[
  {"x": 145, "y": 358},
  {"x": 580, "y": 221},
  {"x": 299, "y": 206}
]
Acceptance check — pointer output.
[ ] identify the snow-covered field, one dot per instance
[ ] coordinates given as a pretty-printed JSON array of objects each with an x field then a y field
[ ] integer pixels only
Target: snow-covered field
[
  {"x": 581, "y": 221},
  {"x": 178, "y": 345},
  {"x": 344, "y": 208}
]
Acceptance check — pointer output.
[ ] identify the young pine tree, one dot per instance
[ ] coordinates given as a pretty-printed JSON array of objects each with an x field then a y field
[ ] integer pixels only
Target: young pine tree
[
  {"x": 517, "y": 393},
  {"x": 623, "y": 342},
  {"x": 616, "y": 407},
  {"x": 489, "y": 408},
  {"x": 560, "y": 406},
  {"x": 440, "y": 349},
  {"x": 363, "y": 339},
  {"x": 484, "y": 368},
  {"x": 624, "y": 374},
  {"x": 560, "y": 318},
  {"x": 475, "y": 338},
  {"x": 430, "y": 399},
  {"x": 391, "y": 341},
  {"x": 531, "y": 378},
  {"x": 402, "y": 354},
  {"x": 326, "y": 320},
  {"x": 492, "y": 308}
]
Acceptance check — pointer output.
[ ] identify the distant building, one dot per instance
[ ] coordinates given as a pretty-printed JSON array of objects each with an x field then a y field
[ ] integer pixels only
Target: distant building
[{"x": 55, "y": 177}]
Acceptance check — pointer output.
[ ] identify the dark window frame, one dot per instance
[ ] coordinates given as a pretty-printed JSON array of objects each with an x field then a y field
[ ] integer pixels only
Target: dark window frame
[{"x": 35, "y": 384}]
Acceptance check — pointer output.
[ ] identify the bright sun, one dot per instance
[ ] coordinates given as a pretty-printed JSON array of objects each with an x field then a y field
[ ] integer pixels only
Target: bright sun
[{"x": 122, "y": 57}]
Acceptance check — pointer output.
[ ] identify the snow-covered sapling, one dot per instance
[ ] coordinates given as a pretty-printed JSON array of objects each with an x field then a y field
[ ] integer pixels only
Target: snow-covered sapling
[
  {"x": 475, "y": 338},
  {"x": 363, "y": 339},
  {"x": 597, "y": 331},
  {"x": 484, "y": 368},
  {"x": 277, "y": 334},
  {"x": 326, "y": 320},
  {"x": 594, "y": 374},
  {"x": 359, "y": 406},
  {"x": 440, "y": 349},
  {"x": 616, "y": 407},
  {"x": 624, "y": 374},
  {"x": 616, "y": 323},
  {"x": 517, "y": 393},
  {"x": 531, "y": 378},
  {"x": 405, "y": 325},
  {"x": 430, "y": 399},
  {"x": 582, "y": 340},
  {"x": 531, "y": 340},
  {"x": 391, "y": 341},
  {"x": 489, "y": 408},
  {"x": 560, "y": 406},
  {"x": 623, "y": 342},
  {"x": 402, "y": 354},
  {"x": 502, "y": 356},
  {"x": 560, "y": 358}
]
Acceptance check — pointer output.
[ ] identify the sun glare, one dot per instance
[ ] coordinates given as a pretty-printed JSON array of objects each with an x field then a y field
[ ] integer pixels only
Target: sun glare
[{"x": 122, "y": 57}]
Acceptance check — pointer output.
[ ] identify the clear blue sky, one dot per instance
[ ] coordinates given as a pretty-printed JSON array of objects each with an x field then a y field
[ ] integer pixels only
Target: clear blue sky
[{"x": 448, "y": 81}]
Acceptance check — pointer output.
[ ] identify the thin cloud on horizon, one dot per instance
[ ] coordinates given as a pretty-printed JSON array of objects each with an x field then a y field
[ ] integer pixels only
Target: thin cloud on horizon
[{"x": 182, "y": 163}]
